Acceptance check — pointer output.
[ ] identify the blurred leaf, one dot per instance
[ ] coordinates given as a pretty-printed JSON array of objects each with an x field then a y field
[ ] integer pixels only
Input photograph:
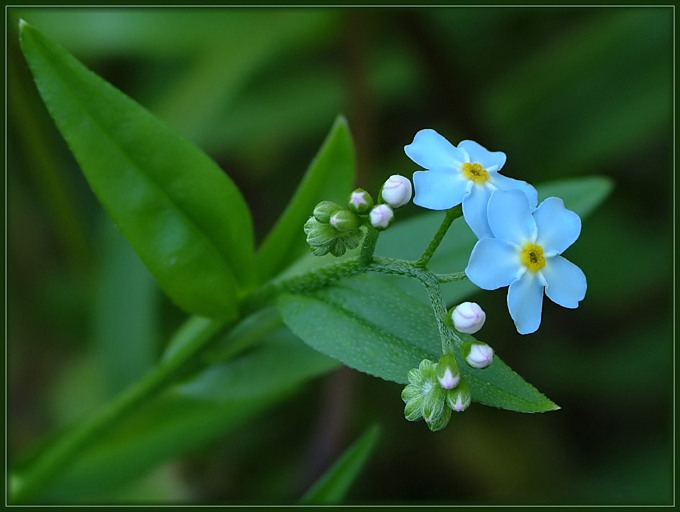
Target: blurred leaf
[
  {"x": 199, "y": 101},
  {"x": 126, "y": 312},
  {"x": 329, "y": 177},
  {"x": 207, "y": 406},
  {"x": 333, "y": 485},
  {"x": 570, "y": 88},
  {"x": 283, "y": 359},
  {"x": 581, "y": 195},
  {"x": 378, "y": 329},
  {"x": 180, "y": 212}
]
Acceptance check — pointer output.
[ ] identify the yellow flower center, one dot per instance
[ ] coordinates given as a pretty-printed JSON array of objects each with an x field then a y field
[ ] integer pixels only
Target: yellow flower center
[
  {"x": 475, "y": 172},
  {"x": 532, "y": 257}
]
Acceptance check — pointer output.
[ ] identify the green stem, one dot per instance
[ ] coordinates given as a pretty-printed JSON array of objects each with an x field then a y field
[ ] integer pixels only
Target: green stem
[
  {"x": 449, "y": 278},
  {"x": 451, "y": 215},
  {"x": 192, "y": 337},
  {"x": 368, "y": 248}
]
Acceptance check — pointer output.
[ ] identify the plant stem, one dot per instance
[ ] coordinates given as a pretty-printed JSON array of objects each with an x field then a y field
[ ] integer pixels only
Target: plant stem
[
  {"x": 451, "y": 215},
  {"x": 197, "y": 333},
  {"x": 368, "y": 247}
]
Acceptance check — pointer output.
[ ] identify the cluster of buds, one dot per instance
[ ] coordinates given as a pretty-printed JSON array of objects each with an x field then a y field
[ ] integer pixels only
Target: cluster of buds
[
  {"x": 334, "y": 229},
  {"x": 434, "y": 391}
]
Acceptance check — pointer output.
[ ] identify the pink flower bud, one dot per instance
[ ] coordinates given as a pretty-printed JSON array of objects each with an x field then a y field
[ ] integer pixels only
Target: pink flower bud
[
  {"x": 468, "y": 317},
  {"x": 397, "y": 191},
  {"x": 480, "y": 356},
  {"x": 381, "y": 216}
]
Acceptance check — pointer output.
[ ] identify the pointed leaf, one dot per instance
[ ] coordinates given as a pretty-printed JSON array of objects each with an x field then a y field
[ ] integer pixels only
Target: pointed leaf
[
  {"x": 376, "y": 328},
  {"x": 183, "y": 216},
  {"x": 334, "y": 483},
  {"x": 330, "y": 177}
]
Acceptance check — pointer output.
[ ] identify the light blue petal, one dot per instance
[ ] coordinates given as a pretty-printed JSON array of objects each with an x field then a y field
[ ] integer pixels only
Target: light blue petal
[
  {"x": 493, "y": 264},
  {"x": 490, "y": 160},
  {"x": 504, "y": 183},
  {"x": 439, "y": 190},
  {"x": 566, "y": 283},
  {"x": 432, "y": 151},
  {"x": 510, "y": 217},
  {"x": 474, "y": 211},
  {"x": 558, "y": 227},
  {"x": 525, "y": 302}
]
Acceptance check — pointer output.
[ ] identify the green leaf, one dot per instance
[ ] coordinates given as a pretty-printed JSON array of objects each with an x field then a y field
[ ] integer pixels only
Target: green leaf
[
  {"x": 180, "y": 212},
  {"x": 376, "y": 328},
  {"x": 333, "y": 485},
  {"x": 581, "y": 195},
  {"x": 207, "y": 406},
  {"x": 126, "y": 311},
  {"x": 329, "y": 177}
]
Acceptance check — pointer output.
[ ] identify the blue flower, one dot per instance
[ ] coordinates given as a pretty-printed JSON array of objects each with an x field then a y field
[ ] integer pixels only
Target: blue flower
[
  {"x": 465, "y": 174},
  {"x": 525, "y": 256}
]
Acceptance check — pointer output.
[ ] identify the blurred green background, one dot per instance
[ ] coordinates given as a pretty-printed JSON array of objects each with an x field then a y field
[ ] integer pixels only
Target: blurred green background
[{"x": 564, "y": 92}]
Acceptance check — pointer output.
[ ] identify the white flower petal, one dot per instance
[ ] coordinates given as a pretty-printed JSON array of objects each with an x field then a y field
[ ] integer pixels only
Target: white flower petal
[
  {"x": 558, "y": 227},
  {"x": 490, "y": 160},
  {"x": 431, "y": 151},
  {"x": 439, "y": 190},
  {"x": 510, "y": 218},
  {"x": 474, "y": 211},
  {"x": 525, "y": 302},
  {"x": 565, "y": 282},
  {"x": 493, "y": 264}
]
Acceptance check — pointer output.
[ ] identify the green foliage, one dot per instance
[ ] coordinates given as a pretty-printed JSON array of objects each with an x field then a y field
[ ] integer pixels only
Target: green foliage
[
  {"x": 378, "y": 329},
  {"x": 181, "y": 213},
  {"x": 256, "y": 88},
  {"x": 329, "y": 177},
  {"x": 334, "y": 483}
]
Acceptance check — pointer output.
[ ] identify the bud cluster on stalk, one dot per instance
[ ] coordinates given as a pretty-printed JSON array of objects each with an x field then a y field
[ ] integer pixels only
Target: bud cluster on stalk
[
  {"x": 434, "y": 391},
  {"x": 334, "y": 230}
]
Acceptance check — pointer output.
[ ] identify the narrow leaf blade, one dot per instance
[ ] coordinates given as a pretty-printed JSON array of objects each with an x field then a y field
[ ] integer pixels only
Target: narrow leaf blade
[
  {"x": 183, "y": 216},
  {"x": 329, "y": 177},
  {"x": 333, "y": 485}
]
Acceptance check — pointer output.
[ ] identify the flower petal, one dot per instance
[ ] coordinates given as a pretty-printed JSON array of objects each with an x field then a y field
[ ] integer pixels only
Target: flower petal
[
  {"x": 510, "y": 218},
  {"x": 565, "y": 282},
  {"x": 490, "y": 160},
  {"x": 474, "y": 211},
  {"x": 430, "y": 150},
  {"x": 525, "y": 302},
  {"x": 493, "y": 264},
  {"x": 558, "y": 227},
  {"x": 439, "y": 189},
  {"x": 504, "y": 183}
]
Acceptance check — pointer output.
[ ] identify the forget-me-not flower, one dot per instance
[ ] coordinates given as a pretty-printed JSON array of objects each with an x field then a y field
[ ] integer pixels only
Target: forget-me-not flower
[
  {"x": 466, "y": 174},
  {"x": 525, "y": 256}
]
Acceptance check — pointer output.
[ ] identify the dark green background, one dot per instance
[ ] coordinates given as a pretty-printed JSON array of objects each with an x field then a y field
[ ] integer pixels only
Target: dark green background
[{"x": 564, "y": 92}]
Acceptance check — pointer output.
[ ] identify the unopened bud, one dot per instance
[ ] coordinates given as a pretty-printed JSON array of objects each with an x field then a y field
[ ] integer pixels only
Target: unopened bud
[
  {"x": 477, "y": 355},
  {"x": 468, "y": 317},
  {"x": 324, "y": 210},
  {"x": 396, "y": 191},
  {"x": 344, "y": 220},
  {"x": 459, "y": 398},
  {"x": 360, "y": 202},
  {"x": 381, "y": 216},
  {"x": 448, "y": 374}
]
